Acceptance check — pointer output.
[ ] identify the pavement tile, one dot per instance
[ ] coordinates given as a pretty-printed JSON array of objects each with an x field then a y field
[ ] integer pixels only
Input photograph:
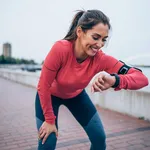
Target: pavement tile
[{"x": 18, "y": 128}]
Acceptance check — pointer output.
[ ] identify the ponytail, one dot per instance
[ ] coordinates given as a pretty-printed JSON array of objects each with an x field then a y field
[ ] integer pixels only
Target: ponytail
[
  {"x": 86, "y": 20},
  {"x": 71, "y": 35}
]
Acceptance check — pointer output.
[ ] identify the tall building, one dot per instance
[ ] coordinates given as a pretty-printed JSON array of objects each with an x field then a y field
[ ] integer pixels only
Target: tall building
[{"x": 7, "y": 50}]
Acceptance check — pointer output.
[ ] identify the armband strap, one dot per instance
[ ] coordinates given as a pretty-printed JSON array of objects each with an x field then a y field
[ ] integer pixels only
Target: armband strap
[
  {"x": 137, "y": 69},
  {"x": 125, "y": 68}
]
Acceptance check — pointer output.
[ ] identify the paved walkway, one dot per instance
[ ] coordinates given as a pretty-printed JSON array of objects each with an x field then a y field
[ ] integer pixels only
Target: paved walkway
[{"x": 18, "y": 130}]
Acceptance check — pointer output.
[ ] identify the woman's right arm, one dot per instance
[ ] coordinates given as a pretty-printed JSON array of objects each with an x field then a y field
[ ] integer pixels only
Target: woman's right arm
[{"x": 51, "y": 65}]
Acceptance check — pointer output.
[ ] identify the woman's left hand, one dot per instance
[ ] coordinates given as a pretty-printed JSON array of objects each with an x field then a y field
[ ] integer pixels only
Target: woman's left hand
[{"x": 102, "y": 82}]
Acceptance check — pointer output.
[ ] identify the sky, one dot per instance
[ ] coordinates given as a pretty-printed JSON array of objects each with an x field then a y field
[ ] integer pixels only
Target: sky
[{"x": 32, "y": 26}]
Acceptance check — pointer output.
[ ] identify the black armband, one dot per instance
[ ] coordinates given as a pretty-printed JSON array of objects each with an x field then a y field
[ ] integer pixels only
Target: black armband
[
  {"x": 117, "y": 80},
  {"x": 125, "y": 68},
  {"x": 137, "y": 69}
]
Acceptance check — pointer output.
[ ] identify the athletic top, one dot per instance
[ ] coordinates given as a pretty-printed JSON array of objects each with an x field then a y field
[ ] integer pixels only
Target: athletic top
[{"x": 64, "y": 77}]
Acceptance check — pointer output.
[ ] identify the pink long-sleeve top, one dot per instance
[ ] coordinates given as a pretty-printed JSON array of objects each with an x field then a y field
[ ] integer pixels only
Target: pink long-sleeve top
[{"x": 64, "y": 77}]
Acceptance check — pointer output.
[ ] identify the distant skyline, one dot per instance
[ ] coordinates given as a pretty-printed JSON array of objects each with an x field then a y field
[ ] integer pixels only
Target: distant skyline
[{"x": 32, "y": 26}]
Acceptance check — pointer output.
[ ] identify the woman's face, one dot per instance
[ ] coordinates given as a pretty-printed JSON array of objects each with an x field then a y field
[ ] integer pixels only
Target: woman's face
[{"x": 93, "y": 40}]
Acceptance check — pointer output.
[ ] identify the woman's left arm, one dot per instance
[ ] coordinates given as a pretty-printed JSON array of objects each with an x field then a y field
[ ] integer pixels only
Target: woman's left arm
[{"x": 126, "y": 77}]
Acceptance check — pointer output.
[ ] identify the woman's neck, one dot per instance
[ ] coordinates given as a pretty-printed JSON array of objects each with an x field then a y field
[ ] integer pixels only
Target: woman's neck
[{"x": 78, "y": 51}]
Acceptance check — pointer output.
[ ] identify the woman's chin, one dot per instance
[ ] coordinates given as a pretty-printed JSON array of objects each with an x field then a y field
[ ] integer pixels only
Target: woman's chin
[{"x": 92, "y": 54}]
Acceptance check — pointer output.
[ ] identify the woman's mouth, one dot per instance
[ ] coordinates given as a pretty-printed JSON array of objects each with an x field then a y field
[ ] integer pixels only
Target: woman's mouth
[{"x": 95, "y": 50}]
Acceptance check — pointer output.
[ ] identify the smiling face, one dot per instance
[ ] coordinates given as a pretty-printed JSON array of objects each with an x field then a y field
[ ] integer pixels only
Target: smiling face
[{"x": 91, "y": 41}]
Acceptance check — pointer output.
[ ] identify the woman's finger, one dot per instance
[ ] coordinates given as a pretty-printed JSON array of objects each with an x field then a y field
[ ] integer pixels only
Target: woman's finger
[
  {"x": 100, "y": 80},
  {"x": 43, "y": 134},
  {"x": 41, "y": 130},
  {"x": 100, "y": 85},
  {"x": 97, "y": 88},
  {"x": 56, "y": 132},
  {"x": 45, "y": 137},
  {"x": 92, "y": 89}
]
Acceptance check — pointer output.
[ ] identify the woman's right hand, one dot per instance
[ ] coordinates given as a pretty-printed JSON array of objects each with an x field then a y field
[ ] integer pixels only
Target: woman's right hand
[
  {"x": 102, "y": 82},
  {"x": 45, "y": 131}
]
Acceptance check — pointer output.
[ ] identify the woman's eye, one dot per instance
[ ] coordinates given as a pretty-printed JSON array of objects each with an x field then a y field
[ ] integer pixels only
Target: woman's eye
[
  {"x": 104, "y": 40},
  {"x": 95, "y": 38}
]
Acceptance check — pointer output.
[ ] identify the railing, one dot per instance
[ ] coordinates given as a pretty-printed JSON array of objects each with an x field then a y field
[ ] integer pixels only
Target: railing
[{"x": 135, "y": 103}]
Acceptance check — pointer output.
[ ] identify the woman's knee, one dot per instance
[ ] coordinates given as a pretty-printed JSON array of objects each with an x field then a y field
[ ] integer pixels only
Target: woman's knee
[
  {"x": 95, "y": 130},
  {"x": 98, "y": 141},
  {"x": 49, "y": 144},
  {"x": 99, "y": 137}
]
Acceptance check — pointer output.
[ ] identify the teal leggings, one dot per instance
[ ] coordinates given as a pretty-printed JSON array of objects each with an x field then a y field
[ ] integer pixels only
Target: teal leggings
[{"x": 85, "y": 113}]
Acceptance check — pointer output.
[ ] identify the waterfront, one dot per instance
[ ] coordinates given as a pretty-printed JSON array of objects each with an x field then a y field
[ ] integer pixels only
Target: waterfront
[{"x": 35, "y": 70}]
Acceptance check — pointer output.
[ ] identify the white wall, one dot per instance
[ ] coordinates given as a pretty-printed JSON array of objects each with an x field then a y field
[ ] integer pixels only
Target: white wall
[{"x": 134, "y": 103}]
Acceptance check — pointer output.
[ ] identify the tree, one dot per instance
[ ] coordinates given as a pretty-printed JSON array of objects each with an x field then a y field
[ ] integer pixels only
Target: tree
[
  {"x": 2, "y": 59},
  {"x": 11, "y": 60}
]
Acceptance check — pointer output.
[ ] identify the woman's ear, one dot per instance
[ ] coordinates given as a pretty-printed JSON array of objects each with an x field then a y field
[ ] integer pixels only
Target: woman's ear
[{"x": 79, "y": 31}]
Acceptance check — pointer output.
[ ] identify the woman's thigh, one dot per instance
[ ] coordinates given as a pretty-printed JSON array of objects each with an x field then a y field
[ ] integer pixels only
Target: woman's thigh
[
  {"x": 55, "y": 101},
  {"x": 86, "y": 114},
  {"x": 81, "y": 107}
]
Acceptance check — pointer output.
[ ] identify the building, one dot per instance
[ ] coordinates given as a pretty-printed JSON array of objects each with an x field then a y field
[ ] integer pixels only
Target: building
[{"x": 7, "y": 50}]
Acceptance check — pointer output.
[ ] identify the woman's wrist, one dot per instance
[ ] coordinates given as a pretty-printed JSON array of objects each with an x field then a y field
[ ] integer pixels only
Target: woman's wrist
[{"x": 117, "y": 78}]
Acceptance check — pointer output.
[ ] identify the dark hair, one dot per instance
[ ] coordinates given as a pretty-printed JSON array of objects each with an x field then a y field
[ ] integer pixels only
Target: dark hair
[{"x": 86, "y": 20}]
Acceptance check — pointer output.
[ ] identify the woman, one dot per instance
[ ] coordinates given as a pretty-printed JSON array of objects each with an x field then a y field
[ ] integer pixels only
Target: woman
[{"x": 67, "y": 70}]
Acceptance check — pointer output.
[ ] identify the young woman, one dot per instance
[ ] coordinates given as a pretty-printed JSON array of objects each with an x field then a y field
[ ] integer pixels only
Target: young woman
[{"x": 67, "y": 70}]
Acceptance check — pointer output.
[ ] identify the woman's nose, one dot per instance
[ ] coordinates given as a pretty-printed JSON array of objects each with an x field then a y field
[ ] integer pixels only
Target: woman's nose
[{"x": 100, "y": 44}]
